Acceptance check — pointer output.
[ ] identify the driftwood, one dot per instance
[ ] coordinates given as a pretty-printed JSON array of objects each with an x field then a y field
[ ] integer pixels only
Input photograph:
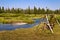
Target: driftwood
[
  {"x": 58, "y": 22},
  {"x": 49, "y": 24}
]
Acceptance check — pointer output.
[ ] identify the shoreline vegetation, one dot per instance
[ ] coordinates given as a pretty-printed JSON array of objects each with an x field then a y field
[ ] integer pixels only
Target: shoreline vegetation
[
  {"x": 22, "y": 18},
  {"x": 14, "y": 15}
]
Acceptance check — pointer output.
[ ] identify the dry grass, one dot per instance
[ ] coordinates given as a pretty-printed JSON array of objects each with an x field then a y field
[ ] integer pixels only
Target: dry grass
[{"x": 35, "y": 33}]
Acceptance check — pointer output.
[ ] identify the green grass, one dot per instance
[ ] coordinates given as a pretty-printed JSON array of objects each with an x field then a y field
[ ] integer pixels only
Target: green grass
[{"x": 10, "y": 17}]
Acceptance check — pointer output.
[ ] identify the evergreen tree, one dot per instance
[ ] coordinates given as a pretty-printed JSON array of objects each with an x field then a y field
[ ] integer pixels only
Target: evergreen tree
[
  {"x": 8, "y": 10},
  {"x": 0, "y": 9},
  {"x": 43, "y": 11},
  {"x": 28, "y": 10},
  {"x": 12, "y": 10},
  {"x": 39, "y": 11},
  {"x": 35, "y": 10}
]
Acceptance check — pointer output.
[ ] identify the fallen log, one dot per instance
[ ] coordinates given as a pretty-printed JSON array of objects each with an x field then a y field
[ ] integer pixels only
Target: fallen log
[{"x": 48, "y": 23}]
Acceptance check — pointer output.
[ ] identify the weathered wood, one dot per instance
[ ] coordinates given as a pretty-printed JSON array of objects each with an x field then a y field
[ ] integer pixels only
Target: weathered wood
[
  {"x": 57, "y": 22},
  {"x": 48, "y": 23}
]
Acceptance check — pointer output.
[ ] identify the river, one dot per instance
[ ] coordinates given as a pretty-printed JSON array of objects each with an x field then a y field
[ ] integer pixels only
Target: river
[{"x": 13, "y": 27}]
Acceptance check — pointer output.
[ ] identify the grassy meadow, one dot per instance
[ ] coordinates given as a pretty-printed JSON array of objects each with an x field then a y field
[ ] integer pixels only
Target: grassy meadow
[
  {"x": 11, "y": 18},
  {"x": 34, "y": 33}
]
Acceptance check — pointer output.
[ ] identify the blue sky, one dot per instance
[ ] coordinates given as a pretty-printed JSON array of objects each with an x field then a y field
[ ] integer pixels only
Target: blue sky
[{"x": 51, "y": 4}]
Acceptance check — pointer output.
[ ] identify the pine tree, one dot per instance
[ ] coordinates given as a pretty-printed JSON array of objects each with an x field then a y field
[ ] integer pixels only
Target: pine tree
[
  {"x": 35, "y": 10},
  {"x": 0, "y": 9}
]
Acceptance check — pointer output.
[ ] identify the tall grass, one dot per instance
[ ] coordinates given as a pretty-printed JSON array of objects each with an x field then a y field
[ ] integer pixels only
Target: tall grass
[
  {"x": 34, "y": 33},
  {"x": 10, "y": 17}
]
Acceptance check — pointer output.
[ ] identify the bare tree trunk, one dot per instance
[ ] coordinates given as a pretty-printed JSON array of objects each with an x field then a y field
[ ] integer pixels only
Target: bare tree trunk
[
  {"x": 58, "y": 22},
  {"x": 49, "y": 24}
]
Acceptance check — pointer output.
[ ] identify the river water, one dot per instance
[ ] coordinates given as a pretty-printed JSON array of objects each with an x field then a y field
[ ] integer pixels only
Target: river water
[{"x": 13, "y": 27}]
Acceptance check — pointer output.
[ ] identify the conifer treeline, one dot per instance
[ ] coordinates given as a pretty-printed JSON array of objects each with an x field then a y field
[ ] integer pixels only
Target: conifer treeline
[{"x": 29, "y": 11}]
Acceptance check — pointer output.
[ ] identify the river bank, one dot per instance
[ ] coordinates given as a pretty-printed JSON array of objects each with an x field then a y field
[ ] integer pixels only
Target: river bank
[
  {"x": 19, "y": 23},
  {"x": 31, "y": 34},
  {"x": 6, "y": 18}
]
